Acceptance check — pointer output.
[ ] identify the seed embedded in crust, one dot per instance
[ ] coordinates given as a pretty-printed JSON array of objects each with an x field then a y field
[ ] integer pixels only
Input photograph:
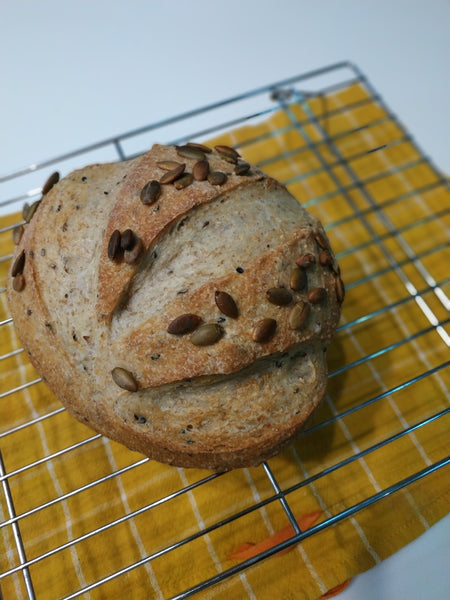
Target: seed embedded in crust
[
  {"x": 191, "y": 152},
  {"x": 200, "y": 170},
  {"x": 51, "y": 181},
  {"x": 18, "y": 264},
  {"x": 170, "y": 176},
  {"x": 321, "y": 240},
  {"x": 229, "y": 158},
  {"x": 222, "y": 149},
  {"x": 264, "y": 330},
  {"x": 33, "y": 209},
  {"x": 325, "y": 258},
  {"x": 217, "y": 178},
  {"x": 207, "y": 334},
  {"x": 279, "y": 296},
  {"x": 182, "y": 222},
  {"x": 25, "y": 211},
  {"x": 127, "y": 239},
  {"x": 305, "y": 260},
  {"x": 131, "y": 256},
  {"x": 167, "y": 165},
  {"x": 317, "y": 294},
  {"x": 242, "y": 168},
  {"x": 226, "y": 304},
  {"x": 299, "y": 315},
  {"x": 114, "y": 245},
  {"x": 140, "y": 419},
  {"x": 29, "y": 210},
  {"x": 183, "y": 324},
  {"x": 340, "y": 289},
  {"x": 17, "y": 234},
  {"x": 124, "y": 379},
  {"x": 18, "y": 282},
  {"x": 183, "y": 181},
  {"x": 150, "y": 192},
  {"x": 201, "y": 147},
  {"x": 298, "y": 279}
]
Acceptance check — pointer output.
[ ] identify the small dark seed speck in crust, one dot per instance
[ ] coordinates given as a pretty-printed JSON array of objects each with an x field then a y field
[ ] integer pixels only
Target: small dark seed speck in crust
[{"x": 140, "y": 419}]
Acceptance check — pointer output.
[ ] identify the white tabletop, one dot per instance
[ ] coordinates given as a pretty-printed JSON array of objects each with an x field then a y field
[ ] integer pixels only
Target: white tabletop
[{"x": 74, "y": 72}]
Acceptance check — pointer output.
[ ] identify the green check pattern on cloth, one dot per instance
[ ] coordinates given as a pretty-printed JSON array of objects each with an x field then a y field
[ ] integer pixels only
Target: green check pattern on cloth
[{"x": 88, "y": 509}]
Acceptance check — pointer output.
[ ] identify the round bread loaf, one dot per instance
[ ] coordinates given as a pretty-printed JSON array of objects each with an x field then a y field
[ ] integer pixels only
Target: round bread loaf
[{"x": 180, "y": 303}]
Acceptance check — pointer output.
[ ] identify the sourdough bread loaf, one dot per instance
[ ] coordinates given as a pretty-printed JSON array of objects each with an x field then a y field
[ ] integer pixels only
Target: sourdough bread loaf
[{"x": 180, "y": 303}]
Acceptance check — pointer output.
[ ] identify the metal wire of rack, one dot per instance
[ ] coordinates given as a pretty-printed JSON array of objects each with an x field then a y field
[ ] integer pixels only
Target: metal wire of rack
[{"x": 425, "y": 292}]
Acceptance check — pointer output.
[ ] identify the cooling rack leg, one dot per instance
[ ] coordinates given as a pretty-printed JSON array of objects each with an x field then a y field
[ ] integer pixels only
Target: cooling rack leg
[
  {"x": 283, "y": 500},
  {"x": 16, "y": 531}
]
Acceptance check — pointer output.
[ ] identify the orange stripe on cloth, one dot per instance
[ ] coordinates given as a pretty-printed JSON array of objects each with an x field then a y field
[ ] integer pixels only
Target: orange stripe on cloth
[{"x": 249, "y": 549}]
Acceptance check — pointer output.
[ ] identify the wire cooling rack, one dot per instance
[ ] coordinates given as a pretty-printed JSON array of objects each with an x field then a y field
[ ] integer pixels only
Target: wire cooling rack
[{"x": 321, "y": 142}]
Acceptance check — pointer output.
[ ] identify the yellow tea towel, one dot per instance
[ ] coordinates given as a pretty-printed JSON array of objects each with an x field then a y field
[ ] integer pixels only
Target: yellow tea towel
[{"x": 84, "y": 517}]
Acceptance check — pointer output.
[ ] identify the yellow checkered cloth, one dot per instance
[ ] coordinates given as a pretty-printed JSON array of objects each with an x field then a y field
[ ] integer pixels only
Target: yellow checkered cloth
[{"x": 90, "y": 513}]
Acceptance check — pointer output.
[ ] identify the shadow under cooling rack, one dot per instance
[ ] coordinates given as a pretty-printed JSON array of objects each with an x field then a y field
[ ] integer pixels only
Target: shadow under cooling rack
[{"x": 81, "y": 514}]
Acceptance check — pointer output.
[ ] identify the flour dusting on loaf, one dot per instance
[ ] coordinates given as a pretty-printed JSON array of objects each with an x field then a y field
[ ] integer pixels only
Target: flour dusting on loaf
[{"x": 180, "y": 303}]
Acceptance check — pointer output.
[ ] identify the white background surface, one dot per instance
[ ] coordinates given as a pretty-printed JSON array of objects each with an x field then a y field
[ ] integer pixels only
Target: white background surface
[{"x": 74, "y": 72}]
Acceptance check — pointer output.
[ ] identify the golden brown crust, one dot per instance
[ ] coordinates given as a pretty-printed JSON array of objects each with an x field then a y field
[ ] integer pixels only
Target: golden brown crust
[{"x": 96, "y": 325}]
